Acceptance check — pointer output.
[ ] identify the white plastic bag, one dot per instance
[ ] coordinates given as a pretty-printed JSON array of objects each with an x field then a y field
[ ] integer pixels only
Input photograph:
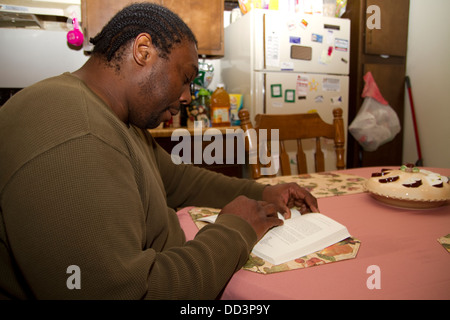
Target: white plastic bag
[{"x": 374, "y": 125}]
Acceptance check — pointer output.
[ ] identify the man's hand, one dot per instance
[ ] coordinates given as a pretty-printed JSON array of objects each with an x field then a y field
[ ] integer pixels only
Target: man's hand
[
  {"x": 259, "y": 214},
  {"x": 287, "y": 195}
]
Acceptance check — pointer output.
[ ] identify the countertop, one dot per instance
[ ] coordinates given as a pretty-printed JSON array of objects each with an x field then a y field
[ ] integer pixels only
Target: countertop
[{"x": 167, "y": 132}]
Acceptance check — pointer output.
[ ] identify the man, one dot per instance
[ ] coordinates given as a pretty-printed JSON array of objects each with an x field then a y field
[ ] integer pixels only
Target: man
[{"x": 87, "y": 197}]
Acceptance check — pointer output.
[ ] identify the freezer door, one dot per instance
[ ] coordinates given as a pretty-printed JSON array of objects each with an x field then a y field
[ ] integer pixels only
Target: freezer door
[
  {"x": 305, "y": 43},
  {"x": 287, "y": 93}
]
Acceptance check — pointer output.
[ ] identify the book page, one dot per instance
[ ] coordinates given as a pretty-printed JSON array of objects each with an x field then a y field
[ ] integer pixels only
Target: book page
[
  {"x": 211, "y": 219},
  {"x": 293, "y": 232},
  {"x": 298, "y": 237},
  {"x": 338, "y": 251}
]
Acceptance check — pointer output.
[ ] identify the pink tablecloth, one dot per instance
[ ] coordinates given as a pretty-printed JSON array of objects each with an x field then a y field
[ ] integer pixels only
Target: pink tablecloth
[{"x": 399, "y": 244}]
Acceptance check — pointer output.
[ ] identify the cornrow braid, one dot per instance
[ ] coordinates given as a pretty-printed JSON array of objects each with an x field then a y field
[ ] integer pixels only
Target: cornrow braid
[{"x": 165, "y": 27}]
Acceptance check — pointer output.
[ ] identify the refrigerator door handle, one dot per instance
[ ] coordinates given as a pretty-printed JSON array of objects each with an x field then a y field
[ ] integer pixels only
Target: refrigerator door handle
[{"x": 264, "y": 94}]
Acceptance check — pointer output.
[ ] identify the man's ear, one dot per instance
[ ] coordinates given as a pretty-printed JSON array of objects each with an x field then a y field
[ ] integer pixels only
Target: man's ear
[{"x": 143, "y": 48}]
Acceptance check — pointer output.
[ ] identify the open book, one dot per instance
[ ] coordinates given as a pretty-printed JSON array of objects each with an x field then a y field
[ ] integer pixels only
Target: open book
[{"x": 297, "y": 237}]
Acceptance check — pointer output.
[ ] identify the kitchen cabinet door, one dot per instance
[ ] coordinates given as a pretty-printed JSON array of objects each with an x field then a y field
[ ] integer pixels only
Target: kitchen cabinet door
[
  {"x": 391, "y": 38},
  {"x": 205, "y": 18},
  {"x": 95, "y": 14}
]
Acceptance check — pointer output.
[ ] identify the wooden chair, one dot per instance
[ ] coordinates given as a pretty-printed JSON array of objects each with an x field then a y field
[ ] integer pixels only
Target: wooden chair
[{"x": 295, "y": 127}]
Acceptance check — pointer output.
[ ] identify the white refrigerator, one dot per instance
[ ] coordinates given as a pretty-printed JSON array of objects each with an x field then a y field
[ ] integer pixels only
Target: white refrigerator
[{"x": 286, "y": 63}]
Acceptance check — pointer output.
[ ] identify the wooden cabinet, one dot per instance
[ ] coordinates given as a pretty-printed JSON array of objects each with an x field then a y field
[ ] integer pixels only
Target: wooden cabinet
[
  {"x": 382, "y": 52},
  {"x": 391, "y": 38},
  {"x": 205, "y": 18},
  {"x": 95, "y": 14}
]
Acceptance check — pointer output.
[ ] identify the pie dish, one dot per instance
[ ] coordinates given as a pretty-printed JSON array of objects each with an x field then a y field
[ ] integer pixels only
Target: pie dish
[{"x": 409, "y": 187}]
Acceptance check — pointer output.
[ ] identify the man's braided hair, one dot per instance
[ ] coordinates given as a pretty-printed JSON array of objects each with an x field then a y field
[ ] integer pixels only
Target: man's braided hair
[{"x": 164, "y": 27}]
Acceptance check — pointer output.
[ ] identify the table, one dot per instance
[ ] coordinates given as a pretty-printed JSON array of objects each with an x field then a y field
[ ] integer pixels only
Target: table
[{"x": 399, "y": 252}]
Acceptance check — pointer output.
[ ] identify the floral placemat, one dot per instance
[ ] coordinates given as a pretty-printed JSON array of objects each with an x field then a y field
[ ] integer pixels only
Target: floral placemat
[
  {"x": 323, "y": 184},
  {"x": 344, "y": 250},
  {"x": 445, "y": 241}
]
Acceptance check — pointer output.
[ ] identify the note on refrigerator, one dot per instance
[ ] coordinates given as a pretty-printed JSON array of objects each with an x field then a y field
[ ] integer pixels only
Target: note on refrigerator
[{"x": 273, "y": 50}]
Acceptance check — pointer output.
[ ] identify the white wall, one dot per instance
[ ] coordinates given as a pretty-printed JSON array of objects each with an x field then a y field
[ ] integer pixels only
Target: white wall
[{"x": 428, "y": 66}]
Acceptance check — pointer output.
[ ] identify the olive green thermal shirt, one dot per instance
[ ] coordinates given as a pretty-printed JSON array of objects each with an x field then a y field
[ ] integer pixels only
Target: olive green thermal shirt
[{"x": 87, "y": 200}]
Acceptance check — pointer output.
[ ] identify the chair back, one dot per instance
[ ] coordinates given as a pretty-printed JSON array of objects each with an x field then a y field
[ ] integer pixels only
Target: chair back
[{"x": 295, "y": 127}]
